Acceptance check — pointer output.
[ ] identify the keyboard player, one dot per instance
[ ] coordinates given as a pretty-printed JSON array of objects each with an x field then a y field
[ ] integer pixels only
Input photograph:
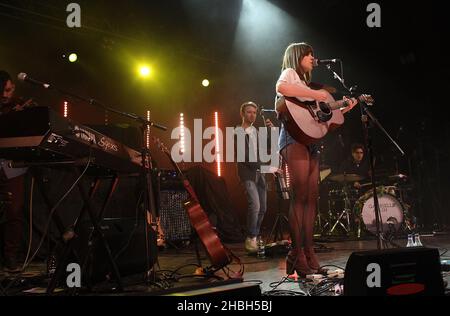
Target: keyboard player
[{"x": 12, "y": 184}]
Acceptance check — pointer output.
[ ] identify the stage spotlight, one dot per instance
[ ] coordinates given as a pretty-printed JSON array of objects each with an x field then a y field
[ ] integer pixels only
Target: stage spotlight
[
  {"x": 218, "y": 152},
  {"x": 73, "y": 57},
  {"x": 257, "y": 21},
  {"x": 205, "y": 83},
  {"x": 145, "y": 71}
]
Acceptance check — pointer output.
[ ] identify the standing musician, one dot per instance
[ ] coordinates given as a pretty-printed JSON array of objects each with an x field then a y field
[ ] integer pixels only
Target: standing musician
[
  {"x": 302, "y": 160},
  {"x": 12, "y": 184},
  {"x": 250, "y": 176}
]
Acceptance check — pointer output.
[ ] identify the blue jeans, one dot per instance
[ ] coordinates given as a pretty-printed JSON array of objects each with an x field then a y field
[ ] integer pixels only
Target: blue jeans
[{"x": 256, "y": 192}]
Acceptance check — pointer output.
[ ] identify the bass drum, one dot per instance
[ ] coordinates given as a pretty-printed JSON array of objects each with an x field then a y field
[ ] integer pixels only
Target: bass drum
[{"x": 391, "y": 208}]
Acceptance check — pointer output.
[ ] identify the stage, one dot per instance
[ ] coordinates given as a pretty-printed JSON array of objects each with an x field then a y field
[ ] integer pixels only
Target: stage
[
  {"x": 127, "y": 123},
  {"x": 264, "y": 274}
]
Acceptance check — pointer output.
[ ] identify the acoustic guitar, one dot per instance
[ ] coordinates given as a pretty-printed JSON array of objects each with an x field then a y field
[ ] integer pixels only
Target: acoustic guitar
[
  {"x": 218, "y": 254},
  {"x": 308, "y": 122}
]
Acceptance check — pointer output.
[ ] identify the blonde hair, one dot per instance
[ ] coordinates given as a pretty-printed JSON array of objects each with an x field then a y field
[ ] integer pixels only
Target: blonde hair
[
  {"x": 247, "y": 104},
  {"x": 293, "y": 57}
]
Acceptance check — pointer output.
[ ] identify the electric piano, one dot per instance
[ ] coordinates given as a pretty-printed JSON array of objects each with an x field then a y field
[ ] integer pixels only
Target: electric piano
[{"x": 39, "y": 134}]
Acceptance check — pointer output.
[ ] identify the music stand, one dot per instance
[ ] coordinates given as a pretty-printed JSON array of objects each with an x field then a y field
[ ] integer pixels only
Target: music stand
[
  {"x": 324, "y": 172},
  {"x": 281, "y": 220},
  {"x": 283, "y": 193}
]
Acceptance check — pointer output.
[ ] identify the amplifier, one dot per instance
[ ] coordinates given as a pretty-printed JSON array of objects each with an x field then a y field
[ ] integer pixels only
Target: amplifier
[
  {"x": 174, "y": 219},
  {"x": 170, "y": 180}
]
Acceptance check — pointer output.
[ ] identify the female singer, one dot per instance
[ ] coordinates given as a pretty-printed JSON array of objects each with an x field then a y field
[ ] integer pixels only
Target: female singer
[{"x": 302, "y": 160}]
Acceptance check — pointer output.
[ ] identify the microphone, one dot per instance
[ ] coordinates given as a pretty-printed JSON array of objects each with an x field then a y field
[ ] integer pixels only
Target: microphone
[
  {"x": 24, "y": 77},
  {"x": 161, "y": 127},
  {"x": 318, "y": 62}
]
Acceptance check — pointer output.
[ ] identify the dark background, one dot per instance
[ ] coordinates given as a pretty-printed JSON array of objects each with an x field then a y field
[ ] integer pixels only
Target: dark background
[{"x": 238, "y": 46}]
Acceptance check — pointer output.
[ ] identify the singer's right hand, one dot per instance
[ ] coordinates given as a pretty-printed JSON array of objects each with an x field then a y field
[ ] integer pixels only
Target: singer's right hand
[{"x": 320, "y": 95}]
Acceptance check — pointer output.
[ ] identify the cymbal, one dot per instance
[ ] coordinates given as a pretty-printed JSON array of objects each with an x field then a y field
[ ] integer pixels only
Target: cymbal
[
  {"x": 324, "y": 167},
  {"x": 324, "y": 174},
  {"x": 399, "y": 176},
  {"x": 346, "y": 178}
]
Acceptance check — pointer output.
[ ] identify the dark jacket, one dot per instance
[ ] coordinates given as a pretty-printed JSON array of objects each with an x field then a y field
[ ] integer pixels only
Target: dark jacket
[{"x": 350, "y": 167}]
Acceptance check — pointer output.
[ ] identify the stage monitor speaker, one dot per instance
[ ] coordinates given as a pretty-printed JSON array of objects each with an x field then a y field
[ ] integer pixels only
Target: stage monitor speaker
[
  {"x": 394, "y": 272},
  {"x": 126, "y": 239}
]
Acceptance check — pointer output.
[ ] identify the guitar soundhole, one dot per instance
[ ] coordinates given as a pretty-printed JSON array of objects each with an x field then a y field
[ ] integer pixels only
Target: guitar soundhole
[
  {"x": 325, "y": 108},
  {"x": 325, "y": 113}
]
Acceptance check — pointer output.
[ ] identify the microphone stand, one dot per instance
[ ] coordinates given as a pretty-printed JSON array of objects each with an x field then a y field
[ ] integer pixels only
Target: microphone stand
[
  {"x": 368, "y": 120},
  {"x": 146, "y": 167}
]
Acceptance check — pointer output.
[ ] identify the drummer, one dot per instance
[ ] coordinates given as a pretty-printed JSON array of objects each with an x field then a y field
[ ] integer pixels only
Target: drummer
[{"x": 356, "y": 164}]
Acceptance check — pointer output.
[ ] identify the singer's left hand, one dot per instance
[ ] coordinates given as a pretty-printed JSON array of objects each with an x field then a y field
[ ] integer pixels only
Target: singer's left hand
[
  {"x": 352, "y": 103},
  {"x": 269, "y": 123}
]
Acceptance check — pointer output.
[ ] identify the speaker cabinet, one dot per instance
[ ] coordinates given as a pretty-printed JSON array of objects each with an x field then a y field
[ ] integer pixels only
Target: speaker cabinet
[{"x": 394, "y": 272}]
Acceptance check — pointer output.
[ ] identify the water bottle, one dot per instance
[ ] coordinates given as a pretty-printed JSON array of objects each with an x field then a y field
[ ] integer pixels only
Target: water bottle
[
  {"x": 261, "y": 252},
  {"x": 417, "y": 241},
  {"x": 410, "y": 241}
]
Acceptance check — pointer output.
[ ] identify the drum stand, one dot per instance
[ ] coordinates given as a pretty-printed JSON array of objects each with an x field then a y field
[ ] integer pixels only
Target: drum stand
[
  {"x": 319, "y": 219},
  {"x": 345, "y": 213}
]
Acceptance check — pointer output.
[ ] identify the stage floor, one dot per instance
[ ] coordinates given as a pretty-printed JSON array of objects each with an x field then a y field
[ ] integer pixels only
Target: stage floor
[{"x": 266, "y": 272}]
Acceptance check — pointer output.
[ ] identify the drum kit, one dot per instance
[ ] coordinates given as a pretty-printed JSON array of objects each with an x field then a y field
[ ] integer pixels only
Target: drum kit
[{"x": 351, "y": 206}]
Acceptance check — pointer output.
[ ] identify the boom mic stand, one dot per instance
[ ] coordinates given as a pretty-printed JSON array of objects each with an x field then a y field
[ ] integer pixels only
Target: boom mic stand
[
  {"x": 368, "y": 120},
  {"x": 146, "y": 161}
]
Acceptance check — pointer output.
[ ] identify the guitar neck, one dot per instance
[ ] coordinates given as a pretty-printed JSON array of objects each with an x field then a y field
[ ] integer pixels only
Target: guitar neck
[
  {"x": 343, "y": 104},
  {"x": 338, "y": 105}
]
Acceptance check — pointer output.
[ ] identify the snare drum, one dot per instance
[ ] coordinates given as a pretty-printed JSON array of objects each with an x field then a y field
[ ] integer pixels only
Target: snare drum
[{"x": 391, "y": 208}]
